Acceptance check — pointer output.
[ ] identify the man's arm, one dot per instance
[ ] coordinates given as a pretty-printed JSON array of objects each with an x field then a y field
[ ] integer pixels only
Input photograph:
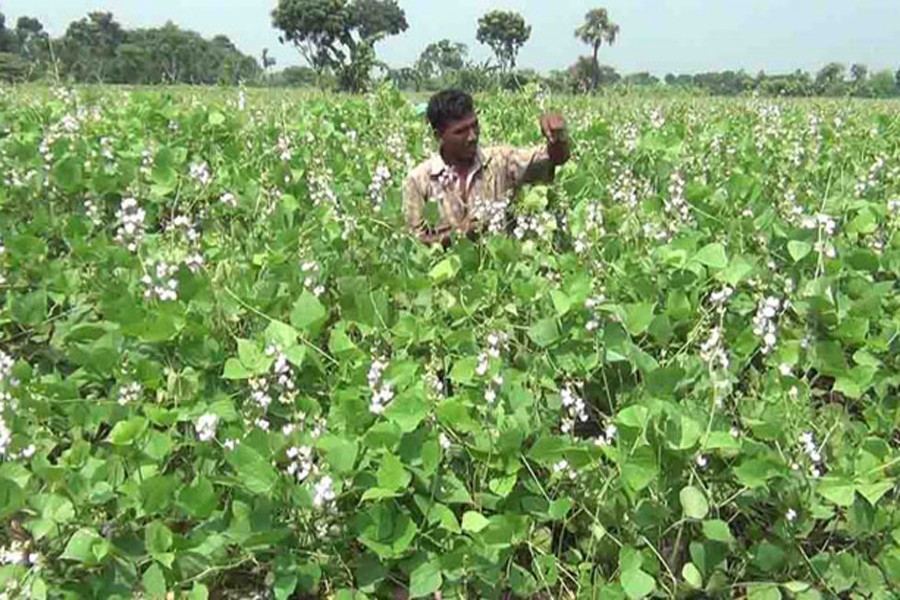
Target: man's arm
[{"x": 538, "y": 165}]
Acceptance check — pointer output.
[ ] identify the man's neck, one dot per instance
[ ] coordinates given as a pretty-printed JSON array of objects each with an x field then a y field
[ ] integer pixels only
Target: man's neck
[{"x": 459, "y": 165}]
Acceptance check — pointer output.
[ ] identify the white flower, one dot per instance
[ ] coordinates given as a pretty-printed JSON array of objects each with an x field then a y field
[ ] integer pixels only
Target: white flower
[
  {"x": 323, "y": 492},
  {"x": 444, "y": 441},
  {"x": 701, "y": 461},
  {"x": 490, "y": 395},
  {"x": 206, "y": 426},
  {"x": 129, "y": 393},
  {"x": 231, "y": 444},
  {"x": 791, "y": 515},
  {"x": 228, "y": 199}
]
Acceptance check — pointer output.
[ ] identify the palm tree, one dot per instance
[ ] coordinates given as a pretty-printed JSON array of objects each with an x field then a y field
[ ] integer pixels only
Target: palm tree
[{"x": 597, "y": 28}]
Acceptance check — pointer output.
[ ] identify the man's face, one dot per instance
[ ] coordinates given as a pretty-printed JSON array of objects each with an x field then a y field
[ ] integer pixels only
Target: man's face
[{"x": 459, "y": 139}]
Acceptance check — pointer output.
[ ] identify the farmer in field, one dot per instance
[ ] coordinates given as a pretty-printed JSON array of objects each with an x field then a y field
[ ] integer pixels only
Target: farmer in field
[{"x": 464, "y": 186}]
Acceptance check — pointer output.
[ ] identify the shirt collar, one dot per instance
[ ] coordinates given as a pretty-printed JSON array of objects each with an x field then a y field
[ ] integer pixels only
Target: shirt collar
[{"x": 438, "y": 165}]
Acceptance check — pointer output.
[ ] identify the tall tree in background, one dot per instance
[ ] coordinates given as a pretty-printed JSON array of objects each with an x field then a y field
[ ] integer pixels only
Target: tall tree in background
[
  {"x": 339, "y": 34},
  {"x": 6, "y": 37},
  {"x": 441, "y": 59},
  {"x": 89, "y": 46},
  {"x": 859, "y": 73},
  {"x": 597, "y": 29},
  {"x": 505, "y": 32}
]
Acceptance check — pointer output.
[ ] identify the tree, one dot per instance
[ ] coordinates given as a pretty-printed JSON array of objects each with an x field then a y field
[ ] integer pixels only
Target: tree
[
  {"x": 267, "y": 61},
  {"x": 505, "y": 32},
  {"x": 859, "y": 73},
  {"x": 339, "y": 34},
  {"x": 583, "y": 74},
  {"x": 441, "y": 59},
  {"x": 881, "y": 84},
  {"x": 89, "y": 46},
  {"x": 597, "y": 28},
  {"x": 830, "y": 79}
]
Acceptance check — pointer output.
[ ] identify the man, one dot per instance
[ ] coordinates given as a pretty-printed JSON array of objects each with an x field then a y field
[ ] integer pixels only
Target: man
[{"x": 461, "y": 179}]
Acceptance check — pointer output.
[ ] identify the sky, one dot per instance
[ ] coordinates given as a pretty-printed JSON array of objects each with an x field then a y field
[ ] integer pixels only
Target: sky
[{"x": 659, "y": 36}]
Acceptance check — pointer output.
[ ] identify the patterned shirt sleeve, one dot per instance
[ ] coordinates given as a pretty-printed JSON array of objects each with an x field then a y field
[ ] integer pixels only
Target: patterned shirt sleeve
[
  {"x": 530, "y": 165},
  {"x": 413, "y": 203}
]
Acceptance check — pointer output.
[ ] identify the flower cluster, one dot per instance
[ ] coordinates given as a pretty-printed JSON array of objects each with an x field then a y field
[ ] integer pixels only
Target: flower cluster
[
  {"x": 542, "y": 225},
  {"x": 319, "y": 181},
  {"x": 382, "y": 393},
  {"x": 764, "y": 323},
  {"x": 17, "y": 554},
  {"x": 310, "y": 270},
  {"x": 607, "y": 437},
  {"x": 496, "y": 341},
  {"x": 812, "y": 452},
  {"x": 591, "y": 304},
  {"x": 301, "y": 462},
  {"x": 713, "y": 352},
  {"x": 323, "y": 492},
  {"x": 284, "y": 148},
  {"x": 576, "y": 410},
  {"x": 564, "y": 469},
  {"x": 228, "y": 199},
  {"x": 160, "y": 282},
  {"x": 491, "y": 213},
  {"x": 676, "y": 207},
  {"x": 92, "y": 210},
  {"x": 870, "y": 180},
  {"x": 199, "y": 172},
  {"x": 593, "y": 225},
  {"x": 380, "y": 180},
  {"x": 131, "y": 219},
  {"x": 206, "y": 427},
  {"x": 827, "y": 226},
  {"x": 279, "y": 382},
  {"x": 130, "y": 393}
]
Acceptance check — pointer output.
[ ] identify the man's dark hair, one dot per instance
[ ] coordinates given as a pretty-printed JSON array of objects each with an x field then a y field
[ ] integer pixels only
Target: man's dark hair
[{"x": 448, "y": 106}]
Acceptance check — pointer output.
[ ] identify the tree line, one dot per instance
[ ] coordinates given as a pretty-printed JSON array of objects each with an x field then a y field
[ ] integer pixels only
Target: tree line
[{"x": 337, "y": 40}]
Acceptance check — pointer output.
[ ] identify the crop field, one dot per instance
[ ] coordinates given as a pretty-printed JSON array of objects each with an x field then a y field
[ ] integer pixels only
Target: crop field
[{"x": 226, "y": 370}]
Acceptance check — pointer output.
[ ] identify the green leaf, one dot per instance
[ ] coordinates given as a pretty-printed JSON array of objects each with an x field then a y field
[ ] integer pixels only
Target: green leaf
[
  {"x": 391, "y": 474},
  {"x": 692, "y": 576},
  {"x": 545, "y": 332},
  {"x": 474, "y": 522},
  {"x": 694, "y": 503},
  {"x": 560, "y": 508},
  {"x": 445, "y": 270},
  {"x": 199, "y": 499},
  {"x": 216, "y": 118},
  {"x": 252, "y": 357},
  {"x": 308, "y": 314},
  {"x": 839, "y": 491},
  {"x": 67, "y": 173},
  {"x": 713, "y": 256},
  {"x": 157, "y": 537},
  {"x": 124, "y": 433},
  {"x": 763, "y": 591},
  {"x": 799, "y": 250},
  {"x": 154, "y": 583},
  {"x": 717, "y": 531},
  {"x": 637, "y": 584},
  {"x": 638, "y": 317},
  {"x": 339, "y": 452},
  {"x": 425, "y": 579},
  {"x": 254, "y": 473},
  {"x": 561, "y": 302},
  {"x": 873, "y": 492},
  {"x": 640, "y": 469},
  {"x": 11, "y": 498},
  {"x": 86, "y": 546}
]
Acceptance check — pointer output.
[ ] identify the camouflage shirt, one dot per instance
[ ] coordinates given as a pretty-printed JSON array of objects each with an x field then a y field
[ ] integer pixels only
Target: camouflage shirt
[{"x": 493, "y": 180}]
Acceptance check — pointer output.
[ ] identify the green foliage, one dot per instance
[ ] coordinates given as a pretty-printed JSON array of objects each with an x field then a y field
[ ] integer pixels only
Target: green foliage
[
  {"x": 679, "y": 380},
  {"x": 339, "y": 35},
  {"x": 505, "y": 32}
]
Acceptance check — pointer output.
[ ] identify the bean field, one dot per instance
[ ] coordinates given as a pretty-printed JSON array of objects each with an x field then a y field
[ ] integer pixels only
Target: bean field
[{"x": 227, "y": 371}]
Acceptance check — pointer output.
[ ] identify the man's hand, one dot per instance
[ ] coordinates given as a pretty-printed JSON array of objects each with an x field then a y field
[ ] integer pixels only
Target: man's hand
[{"x": 553, "y": 127}]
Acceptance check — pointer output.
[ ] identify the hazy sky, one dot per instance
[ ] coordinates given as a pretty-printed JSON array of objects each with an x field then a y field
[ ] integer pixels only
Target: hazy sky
[{"x": 661, "y": 36}]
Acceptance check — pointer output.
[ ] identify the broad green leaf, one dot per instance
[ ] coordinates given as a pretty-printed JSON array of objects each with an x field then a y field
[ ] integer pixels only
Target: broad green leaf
[
  {"x": 253, "y": 471},
  {"x": 718, "y": 531},
  {"x": 391, "y": 474},
  {"x": 339, "y": 452},
  {"x": 445, "y": 270},
  {"x": 425, "y": 579},
  {"x": 799, "y": 250},
  {"x": 544, "y": 333},
  {"x": 124, "y": 433},
  {"x": 308, "y": 314},
  {"x": 839, "y": 491},
  {"x": 11, "y": 498},
  {"x": 637, "y": 584},
  {"x": 692, "y": 576},
  {"x": 157, "y": 537},
  {"x": 713, "y": 256},
  {"x": 638, "y": 317},
  {"x": 154, "y": 583},
  {"x": 199, "y": 499},
  {"x": 694, "y": 502},
  {"x": 873, "y": 492},
  {"x": 560, "y": 508},
  {"x": 763, "y": 591},
  {"x": 216, "y": 118},
  {"x": 640, "y": 469},
  {"x": 474, "y": 522}
]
